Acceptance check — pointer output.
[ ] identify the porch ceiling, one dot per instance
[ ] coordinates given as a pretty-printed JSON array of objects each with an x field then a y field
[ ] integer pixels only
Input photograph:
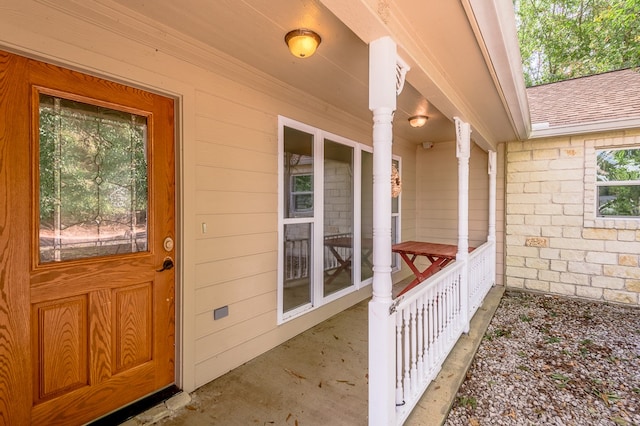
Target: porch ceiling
[{"x": 452, "y": 73}]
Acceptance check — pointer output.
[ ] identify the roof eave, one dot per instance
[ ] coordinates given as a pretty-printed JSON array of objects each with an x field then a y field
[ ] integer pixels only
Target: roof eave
[
  {"x": 586, "y": 128},
  {"x": 496, "y": 27}
]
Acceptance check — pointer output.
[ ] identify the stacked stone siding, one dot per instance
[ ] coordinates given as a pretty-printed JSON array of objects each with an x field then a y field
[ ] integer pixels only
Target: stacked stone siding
[{"x": 554, "y": 242}]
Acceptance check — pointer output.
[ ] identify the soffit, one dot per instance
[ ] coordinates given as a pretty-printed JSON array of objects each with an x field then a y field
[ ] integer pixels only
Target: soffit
[{"x": 449, "y": 72}]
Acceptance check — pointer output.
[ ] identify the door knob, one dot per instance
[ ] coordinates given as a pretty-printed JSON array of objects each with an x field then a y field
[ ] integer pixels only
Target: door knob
[{"x": 166, "y": 265}]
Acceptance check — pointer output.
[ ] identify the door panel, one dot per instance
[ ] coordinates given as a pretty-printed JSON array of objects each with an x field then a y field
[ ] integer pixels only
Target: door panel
[{"x": 100, "y": 318}]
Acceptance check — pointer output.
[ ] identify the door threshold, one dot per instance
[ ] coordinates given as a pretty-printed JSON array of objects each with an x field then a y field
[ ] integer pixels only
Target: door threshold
[{"x": 140, "y": 406}]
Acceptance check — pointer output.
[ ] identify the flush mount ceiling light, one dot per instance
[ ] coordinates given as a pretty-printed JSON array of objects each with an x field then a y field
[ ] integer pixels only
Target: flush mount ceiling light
[
  {"x": 418, "y": 120},
  {"x": 302, "y": 42}
]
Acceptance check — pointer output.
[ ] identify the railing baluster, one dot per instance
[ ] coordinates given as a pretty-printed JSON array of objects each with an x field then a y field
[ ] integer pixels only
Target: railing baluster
[
  {"x": 407, "y": 352},
  {"x": 421, "y": 347},
  {"x": 414, "y": 342},
  {"x": 399, "y": 391}
]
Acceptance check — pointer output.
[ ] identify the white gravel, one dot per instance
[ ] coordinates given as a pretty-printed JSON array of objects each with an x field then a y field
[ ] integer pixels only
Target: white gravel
[{"x": 554, "y": 361}]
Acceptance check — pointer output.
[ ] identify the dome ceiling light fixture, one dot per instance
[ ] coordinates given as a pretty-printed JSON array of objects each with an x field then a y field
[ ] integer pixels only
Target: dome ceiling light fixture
[
  {"x": 302, "y": 42},
  {"x": 418, "y": 120}
]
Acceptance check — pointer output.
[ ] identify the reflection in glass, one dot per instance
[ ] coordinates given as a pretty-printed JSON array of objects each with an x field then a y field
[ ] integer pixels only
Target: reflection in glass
[
  {"x": 619, "y": 201},
  {"x": 298, "y": 171},
  {"x": 298, "y": 205},
  {"x": 618, "y": 176},
  {"x": 395, "y": 201},
  {"x": 338, "y": 216},
  {"x": 367, "y": 215},
  {"x": 297, "y": 256},
  {"x": 395, "y": 218},
  {"x": 93, "y": 181}
]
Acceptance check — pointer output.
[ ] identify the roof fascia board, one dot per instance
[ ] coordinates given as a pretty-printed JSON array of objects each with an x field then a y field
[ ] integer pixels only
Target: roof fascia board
[
  {"x": 594, "y": 127},
  {"x": 495, "y": 27}
]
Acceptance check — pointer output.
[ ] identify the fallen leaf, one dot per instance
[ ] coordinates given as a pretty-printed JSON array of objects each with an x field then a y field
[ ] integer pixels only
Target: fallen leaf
[
  {"x": 288, "y": 417},
  {"x": 294, "y": 374}
]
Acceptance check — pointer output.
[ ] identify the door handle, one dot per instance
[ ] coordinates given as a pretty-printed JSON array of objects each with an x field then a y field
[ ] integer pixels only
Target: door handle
[{"x": 166, "y": 265}]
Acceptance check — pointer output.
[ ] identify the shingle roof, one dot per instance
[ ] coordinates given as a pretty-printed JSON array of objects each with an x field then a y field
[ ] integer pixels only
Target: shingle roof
[{"x": 608, "y": 96}]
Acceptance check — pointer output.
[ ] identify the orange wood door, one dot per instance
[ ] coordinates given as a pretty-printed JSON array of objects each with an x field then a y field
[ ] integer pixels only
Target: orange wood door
[{"x": 86, "y": 333}]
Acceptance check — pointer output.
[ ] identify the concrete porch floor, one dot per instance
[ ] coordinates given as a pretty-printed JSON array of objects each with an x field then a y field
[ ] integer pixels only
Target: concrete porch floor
[{"x": 317, "y": 378}]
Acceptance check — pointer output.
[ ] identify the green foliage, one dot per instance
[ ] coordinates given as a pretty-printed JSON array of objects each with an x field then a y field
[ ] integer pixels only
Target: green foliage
[
  {"x": 561, "y": 380},
  {"x": 468, "y": 401},
  {"x": 92, "y": 163},
  {"x": 562, "y": 39},
  {"x": 621, "y": 168},
  {"x": 525, "y": 318}
]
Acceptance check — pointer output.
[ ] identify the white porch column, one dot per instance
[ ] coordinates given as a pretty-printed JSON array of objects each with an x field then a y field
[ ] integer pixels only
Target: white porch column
[
  {"x": 493, "y": 164},
  {"x": 463, "y": 151},
  {"x": 492, "y": 195},
  {"x": 382, "y": 102}
]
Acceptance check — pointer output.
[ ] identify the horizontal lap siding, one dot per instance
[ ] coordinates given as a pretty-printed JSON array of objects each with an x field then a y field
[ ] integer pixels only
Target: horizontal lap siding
[
  {"x": 437, "y": 182},
  {"x": 236, "y": 193}
]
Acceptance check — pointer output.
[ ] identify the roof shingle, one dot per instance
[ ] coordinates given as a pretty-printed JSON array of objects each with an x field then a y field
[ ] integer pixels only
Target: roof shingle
[{"x": 608, "y": 96}]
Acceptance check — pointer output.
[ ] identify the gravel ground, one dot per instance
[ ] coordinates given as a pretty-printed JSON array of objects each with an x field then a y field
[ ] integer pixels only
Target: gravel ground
[{"x": 554, "y": 361}]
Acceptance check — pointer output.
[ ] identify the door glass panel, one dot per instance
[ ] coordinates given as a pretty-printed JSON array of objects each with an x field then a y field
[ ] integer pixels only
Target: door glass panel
[
  {"x": 93, "y": 181},
  {"x": 338, "y": 216},
  {"x": 297, "y": 256},
  {"x": 367, "y": 215}
]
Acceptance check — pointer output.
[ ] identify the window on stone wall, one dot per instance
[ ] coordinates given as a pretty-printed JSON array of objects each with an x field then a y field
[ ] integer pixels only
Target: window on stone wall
[{"x": 618, "y": 182}]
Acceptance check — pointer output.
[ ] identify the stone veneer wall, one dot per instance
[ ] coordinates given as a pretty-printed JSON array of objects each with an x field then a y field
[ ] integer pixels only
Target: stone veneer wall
[{"x": 554, "y": 242}]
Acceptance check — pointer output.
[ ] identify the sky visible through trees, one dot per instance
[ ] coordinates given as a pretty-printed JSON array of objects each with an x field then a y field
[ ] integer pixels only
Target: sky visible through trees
[{"x": 563, "y": 39}]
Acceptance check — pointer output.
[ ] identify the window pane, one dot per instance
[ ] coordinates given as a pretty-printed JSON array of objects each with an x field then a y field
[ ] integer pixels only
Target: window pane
[
  {"x": 338, "y": 216},
  {"x": 302, "y": 194},
  {"x": 367, "y": 215},
  {"x": 298, "y": 173},
  {"x": 394, "y": 239},
  {"x": 93, "y": 181},
  {"x": 395, "y": 203},
  {"x": 297, "y": 266},
  {"x": 621, "y": 200},
  {"x": 618, "y": 165}
]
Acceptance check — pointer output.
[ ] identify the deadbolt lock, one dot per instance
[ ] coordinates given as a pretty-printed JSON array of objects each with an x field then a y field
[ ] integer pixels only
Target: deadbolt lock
[{"x": 168, "y": 244}]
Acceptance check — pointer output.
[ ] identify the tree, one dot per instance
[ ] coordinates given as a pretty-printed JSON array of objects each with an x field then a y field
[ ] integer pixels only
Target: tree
[{"x": 562, "y": 39}]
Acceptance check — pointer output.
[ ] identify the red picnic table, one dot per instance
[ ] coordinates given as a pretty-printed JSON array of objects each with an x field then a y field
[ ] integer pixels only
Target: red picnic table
[{"x": 440, "y": 255}]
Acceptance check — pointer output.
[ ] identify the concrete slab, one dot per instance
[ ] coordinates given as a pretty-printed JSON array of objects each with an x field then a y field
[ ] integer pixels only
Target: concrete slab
[
  {"x": 320, "y": 377},
  {"x": 178, "y": 401}
]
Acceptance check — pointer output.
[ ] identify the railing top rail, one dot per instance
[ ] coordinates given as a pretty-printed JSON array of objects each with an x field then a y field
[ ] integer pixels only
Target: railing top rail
[
  {"x": 413, "y": 294},
  {"x": 479, "y": 251}
]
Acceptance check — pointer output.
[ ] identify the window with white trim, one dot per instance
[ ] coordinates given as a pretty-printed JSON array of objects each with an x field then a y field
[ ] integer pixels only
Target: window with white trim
[
  {"x": 325, "y": 217},
  {"x": 618, "y": 182}
]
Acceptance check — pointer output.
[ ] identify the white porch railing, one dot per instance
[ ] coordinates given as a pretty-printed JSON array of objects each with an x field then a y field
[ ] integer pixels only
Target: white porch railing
[{"x": 429, "y": 321}]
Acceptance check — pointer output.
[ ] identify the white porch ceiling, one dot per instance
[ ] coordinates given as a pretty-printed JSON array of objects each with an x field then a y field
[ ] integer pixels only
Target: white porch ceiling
[{"x": 449, "y": 71}]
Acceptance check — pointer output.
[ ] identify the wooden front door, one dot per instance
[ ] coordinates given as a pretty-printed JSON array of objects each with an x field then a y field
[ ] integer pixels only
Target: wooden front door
[{"x": 86, "y": 223}]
